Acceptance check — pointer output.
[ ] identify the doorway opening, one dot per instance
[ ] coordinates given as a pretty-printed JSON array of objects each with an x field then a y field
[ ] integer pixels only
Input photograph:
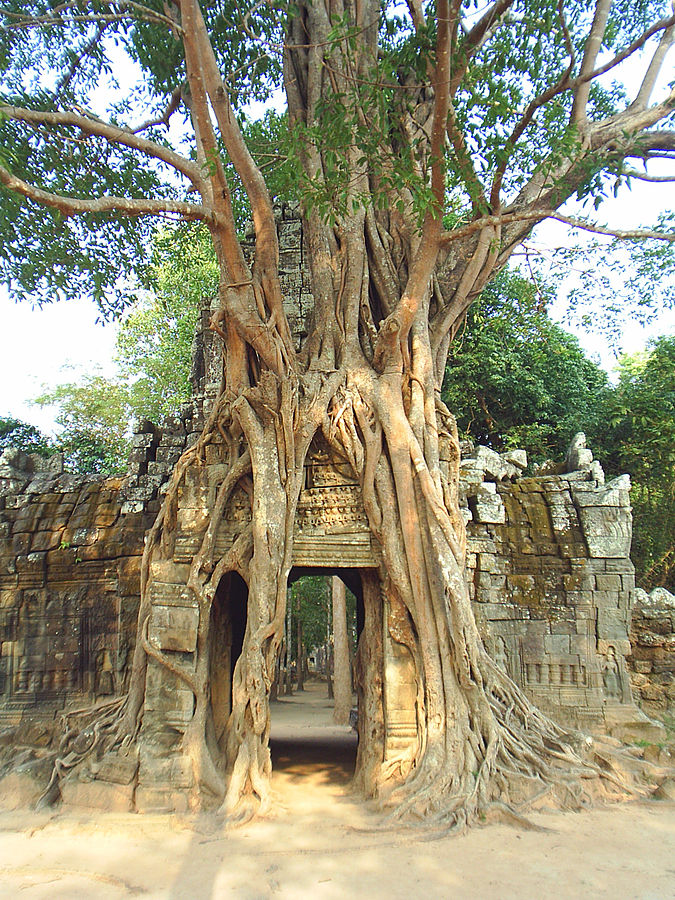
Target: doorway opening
[
  {"x": 228, "y": 626},
  {"x": 306, "y": 742}
]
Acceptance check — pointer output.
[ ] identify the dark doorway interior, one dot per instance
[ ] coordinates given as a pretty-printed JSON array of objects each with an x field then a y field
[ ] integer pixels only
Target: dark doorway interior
[{"x": 228, "y": 625}]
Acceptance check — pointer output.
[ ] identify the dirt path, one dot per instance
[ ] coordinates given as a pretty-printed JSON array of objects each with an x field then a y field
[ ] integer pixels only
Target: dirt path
[{"x": 320, "y": 843}]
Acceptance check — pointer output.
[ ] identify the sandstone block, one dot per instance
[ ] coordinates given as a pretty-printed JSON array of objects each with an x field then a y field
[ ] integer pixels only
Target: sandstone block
[
  {"x": 117, "y": 769},
  {"x": 611, "y": 625},
  {"x": 153, "y": 800},
  {"x": 608, "y": 582},
  {"x": 174, "y": 627},
  {"x": 489, "y": 507},
  {"x": 98, "y": 795}
]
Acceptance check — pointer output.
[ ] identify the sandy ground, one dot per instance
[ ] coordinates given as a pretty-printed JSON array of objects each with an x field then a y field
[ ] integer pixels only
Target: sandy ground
[{"x": 320, "y": 843}]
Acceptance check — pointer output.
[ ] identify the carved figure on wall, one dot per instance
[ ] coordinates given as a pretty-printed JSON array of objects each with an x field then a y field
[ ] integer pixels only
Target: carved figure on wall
[
  {"x": 501, "y": 654},
  {"x": 611, "y": 675}
]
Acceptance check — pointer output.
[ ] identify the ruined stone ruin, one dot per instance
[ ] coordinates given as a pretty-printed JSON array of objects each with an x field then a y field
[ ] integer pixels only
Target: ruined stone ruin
[{"x": 549, "y": 571}]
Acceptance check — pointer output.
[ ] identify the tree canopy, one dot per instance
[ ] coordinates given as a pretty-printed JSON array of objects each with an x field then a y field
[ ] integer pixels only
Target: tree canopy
[
  {"x": 642, "y": 441},
  {"x": 537, "y": 113}
]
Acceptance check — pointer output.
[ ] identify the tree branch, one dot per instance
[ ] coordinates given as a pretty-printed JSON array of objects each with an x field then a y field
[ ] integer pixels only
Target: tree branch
[
  {"x": 113, "y": 133},
  {"x": 591, "y": 51},
  {"x": 467, "y": 170},
  {"x": 170, "y": 109},
  {"x": 416, "y": 13},
  {"x": 538, "y": 215},
  {"x": 254, "y": 183},
  {"x": 544, "y": 98},
  {"x": 55, "y": 17},
  {"x": 266, "y": 244},
  {"x": 645, "y": 176},
  {"x": 654, "y": 67},
  {"x": 65, "y": 81},
  {"x": 72, "y": 206},
  {"x": 628, "y": 51},
  {"x": 396, "y": 327},
  {"x": 473, "y": 40}
]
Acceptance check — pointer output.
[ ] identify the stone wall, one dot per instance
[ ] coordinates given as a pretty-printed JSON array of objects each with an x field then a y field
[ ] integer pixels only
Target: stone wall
[
  {"x": 69, "y": 584},
  {"x": 653, "y": 651},
  {"x": 548, "y": 571},
  {"x": 551, "y": 580}
]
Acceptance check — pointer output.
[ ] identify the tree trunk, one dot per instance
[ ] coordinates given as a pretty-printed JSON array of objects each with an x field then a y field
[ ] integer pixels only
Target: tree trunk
[
  {"x": 342, "y": 678},
  {"x": 300, "y": 665},
  {"x": 288, "y": 684}
]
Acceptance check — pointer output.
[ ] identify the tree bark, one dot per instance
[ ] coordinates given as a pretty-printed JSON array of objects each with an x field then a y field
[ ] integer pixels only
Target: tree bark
[
  {"x": 342, "y": 678},
  {"x": 300, "y": 664}
]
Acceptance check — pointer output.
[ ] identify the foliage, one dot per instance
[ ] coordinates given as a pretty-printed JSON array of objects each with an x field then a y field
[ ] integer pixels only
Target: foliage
[
  {"x": 610, "y": 284},
  {"x": 71, "y": 64},
  {"x": 93, "y": 416},
  {"x": 643, "y": 437},
  {"x": 515, "y": 379},
  {"x": 67, "y": 58},
  {"x": 311, "y": 599},
  {"x": 153, "y": 356},
  {"x": 21, "y": 436},
  {"x": 154, "y": 345}
]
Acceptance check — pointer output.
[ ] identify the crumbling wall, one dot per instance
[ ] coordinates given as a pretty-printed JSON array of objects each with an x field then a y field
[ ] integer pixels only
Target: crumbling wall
[
  {"x": 551, "y": 580},
  {"x": 548, "y": 570},
  {"x": 653, "y": 651},
  {"x": 70, "y": 552}
]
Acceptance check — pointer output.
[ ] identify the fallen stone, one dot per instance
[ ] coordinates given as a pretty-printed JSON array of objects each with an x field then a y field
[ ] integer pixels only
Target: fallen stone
[
  {"x": 98, "y": 795},
  {"x": 666, "y": 790}
]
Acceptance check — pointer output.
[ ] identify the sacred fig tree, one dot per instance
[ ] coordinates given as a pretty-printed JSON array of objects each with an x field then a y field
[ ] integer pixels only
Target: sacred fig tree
[{"x": 423, "y": 142}]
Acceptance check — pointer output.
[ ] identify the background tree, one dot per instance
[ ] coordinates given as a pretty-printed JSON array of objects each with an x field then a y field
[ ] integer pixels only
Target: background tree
[
  {"x": 93, "y": 416},
  {"x": 515, "y": 379},
  {"x": 424, "y": 147},
  {"x": 20, "y": 435},
  {"x": 642, "y": 436},
  {"x": 342, "y": 678}
]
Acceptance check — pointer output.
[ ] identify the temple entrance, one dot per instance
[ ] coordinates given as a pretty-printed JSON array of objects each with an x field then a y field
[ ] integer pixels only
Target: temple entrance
[{"x": 306, "y": 743}]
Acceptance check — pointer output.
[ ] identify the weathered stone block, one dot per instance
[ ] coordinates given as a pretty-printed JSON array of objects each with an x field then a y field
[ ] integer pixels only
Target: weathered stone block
[
  {"x": 174, "y": 627},
  {"x": 488, "y": 506},
  {"x": 611, "y": 624},
  {"x": 607, "y": 531},
  {"x": 557, "y": 644},
  {"x": 608, "y": 582},
  {"x": 117, "y": 769},
  {"x": 620, "y": 645},
  {"x": 153, "y": 800},
  {"x": 98, "y": 795}
]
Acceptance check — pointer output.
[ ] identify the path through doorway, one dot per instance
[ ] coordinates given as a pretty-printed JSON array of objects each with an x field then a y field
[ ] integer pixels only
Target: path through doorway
[{"x": 308, "y": 749}]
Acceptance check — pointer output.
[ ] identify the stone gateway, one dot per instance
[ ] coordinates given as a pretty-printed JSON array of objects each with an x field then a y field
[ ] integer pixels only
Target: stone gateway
[{"x": 548, "y": 574}]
